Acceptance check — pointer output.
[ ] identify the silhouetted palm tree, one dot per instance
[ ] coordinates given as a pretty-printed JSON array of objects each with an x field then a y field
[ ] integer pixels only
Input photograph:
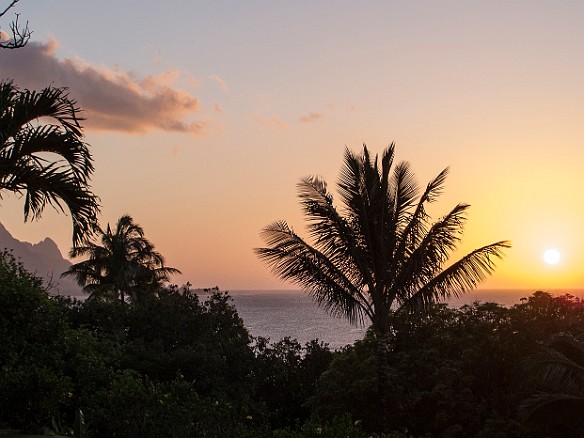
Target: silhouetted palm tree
[
  {"x": 125, "y": 265},
  {"x": 558, "y": 365},
  {"x": 43, "y": 157},
  {"x": 381, "y": 253}
]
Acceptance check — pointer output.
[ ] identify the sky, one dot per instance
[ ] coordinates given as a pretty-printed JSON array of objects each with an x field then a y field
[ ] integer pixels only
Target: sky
[{"x": 203, "y": 116}]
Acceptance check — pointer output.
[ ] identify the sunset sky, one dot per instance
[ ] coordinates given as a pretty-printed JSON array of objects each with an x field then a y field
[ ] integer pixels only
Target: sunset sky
[{"x": 202, "y": 117}]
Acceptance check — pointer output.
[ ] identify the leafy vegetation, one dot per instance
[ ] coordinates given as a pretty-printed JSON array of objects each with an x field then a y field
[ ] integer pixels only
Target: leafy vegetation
[
  {"x": 183, "y": 365},
  {"x": 34, "y": 387}
]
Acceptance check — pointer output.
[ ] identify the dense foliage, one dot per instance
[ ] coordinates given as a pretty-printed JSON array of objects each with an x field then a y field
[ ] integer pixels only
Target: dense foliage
[{"x": 182, "y": 364}]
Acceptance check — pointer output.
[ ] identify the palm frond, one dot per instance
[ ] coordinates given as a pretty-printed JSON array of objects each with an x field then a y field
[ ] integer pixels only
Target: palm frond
[
  {"x": 460, "y": 277},
  {"x": 405, "y": 194},
  {"x": 555, "y": 370},
  {"x": 416, "y": 228},
  {"x": 53, "y": 102},
  {"x": 549, "y": 408},
  {"x": 51, "y": 139},
  {"x": 334, "y": 236},
  {"x": 58, "y": 187},
  {"x": 290, "y": 258},
  {"x": 386, "y": 166},
  {"x": 423, "y": 262},
  {"x": 401, "y": 195},
  {"x": 61, "y": 183},
  {"x": 350, "y": 184}
]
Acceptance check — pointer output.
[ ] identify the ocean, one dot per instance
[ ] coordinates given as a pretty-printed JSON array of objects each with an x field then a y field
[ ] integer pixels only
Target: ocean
[{"x": 277, "y": 314}]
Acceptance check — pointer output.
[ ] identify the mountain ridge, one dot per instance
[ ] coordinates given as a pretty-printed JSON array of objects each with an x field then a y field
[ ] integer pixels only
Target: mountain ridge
[{"x": 43, "y": 259}]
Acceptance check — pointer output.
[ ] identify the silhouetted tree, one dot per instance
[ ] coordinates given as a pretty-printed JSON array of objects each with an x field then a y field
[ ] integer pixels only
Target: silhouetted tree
[
  {"x": 382, "y": 254},
  {"x": 28, "y": 145},
  {"x": 125, "y": 265},
  {"x": 20, "y": 35}
]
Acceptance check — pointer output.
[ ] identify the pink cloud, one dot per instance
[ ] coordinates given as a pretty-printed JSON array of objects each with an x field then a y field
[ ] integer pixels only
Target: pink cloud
[
  {"x": 312, "y": 117},
  {"x": 222, "y": 84},
  {"x": 112, "y": 99}
]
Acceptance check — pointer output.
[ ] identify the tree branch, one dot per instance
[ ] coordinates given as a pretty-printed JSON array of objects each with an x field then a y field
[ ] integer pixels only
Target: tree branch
[
  {"x": 20, "y": 34},
  {"x": 10, "y": 6}
]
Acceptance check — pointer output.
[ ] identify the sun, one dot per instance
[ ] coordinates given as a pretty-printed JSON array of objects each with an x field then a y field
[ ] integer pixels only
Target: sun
[{"x": 552, "y": 256}]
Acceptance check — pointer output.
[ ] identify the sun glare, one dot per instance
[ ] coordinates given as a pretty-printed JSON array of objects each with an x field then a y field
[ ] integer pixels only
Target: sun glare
[{"x": 552, "y": 256}]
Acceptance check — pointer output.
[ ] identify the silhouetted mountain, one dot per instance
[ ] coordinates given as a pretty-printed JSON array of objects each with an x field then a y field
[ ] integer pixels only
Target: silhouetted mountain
[{"x": 42, "y": 259}]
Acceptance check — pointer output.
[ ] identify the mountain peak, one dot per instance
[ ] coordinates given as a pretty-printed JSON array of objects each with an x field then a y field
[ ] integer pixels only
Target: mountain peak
[
  {"x": 5, "y": 236},
  {"x": 48, "y": 247},
  {"x": 44, "y": 259}
]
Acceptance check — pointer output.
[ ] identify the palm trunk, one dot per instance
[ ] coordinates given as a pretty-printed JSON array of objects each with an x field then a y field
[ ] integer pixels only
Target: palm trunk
[{"x": 383, "y": 350}]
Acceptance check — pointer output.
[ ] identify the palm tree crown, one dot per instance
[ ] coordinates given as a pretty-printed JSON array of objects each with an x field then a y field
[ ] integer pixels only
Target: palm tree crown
[
  {"x": 124, "y": 265},
  {"x": 27, "y": 148},
  {"x": 382, "y": 252}
]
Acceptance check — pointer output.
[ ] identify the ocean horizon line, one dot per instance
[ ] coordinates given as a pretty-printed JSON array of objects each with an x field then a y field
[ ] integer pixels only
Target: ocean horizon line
[
  {"x": 490, "y": 292},
  {"x": 490, "y": 289},
  {"x": 502, "y": 296}
]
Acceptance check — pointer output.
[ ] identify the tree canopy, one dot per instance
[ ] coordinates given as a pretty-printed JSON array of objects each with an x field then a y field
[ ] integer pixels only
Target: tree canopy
[{"x": 124, "y": 265}]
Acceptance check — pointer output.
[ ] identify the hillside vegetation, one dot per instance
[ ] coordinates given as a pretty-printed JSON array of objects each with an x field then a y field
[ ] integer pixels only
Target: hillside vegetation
[{"x": 178, "y": 365}]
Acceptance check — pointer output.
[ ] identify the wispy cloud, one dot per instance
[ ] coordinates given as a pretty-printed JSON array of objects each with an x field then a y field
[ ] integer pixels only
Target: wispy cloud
[
  {"x": 112, "y": 99},
  {"x": 330, "y": 110},
  {"x": 312, "y": 117},
  {"x": 272, "y": 122},
  {"x": 222, "y": 84}
]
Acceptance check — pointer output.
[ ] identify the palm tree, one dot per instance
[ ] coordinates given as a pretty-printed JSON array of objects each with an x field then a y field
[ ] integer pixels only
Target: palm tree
[
  {"x": 558, "y": 366},
  {"x": 124, "y": 266},
  {"x": 27, "y": 155},
  {"x": 381, "y": 254}
]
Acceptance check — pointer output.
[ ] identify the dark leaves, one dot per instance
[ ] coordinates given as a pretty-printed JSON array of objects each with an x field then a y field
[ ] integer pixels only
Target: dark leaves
[{"x": 47, "y": 163}]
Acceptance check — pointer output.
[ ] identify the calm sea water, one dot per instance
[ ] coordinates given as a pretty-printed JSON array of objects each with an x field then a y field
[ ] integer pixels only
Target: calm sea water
[{"x": 277, "y": 314}]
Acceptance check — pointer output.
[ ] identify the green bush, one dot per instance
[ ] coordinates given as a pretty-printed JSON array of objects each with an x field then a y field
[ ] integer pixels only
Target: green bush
[{"x": 34, "y": 389}]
